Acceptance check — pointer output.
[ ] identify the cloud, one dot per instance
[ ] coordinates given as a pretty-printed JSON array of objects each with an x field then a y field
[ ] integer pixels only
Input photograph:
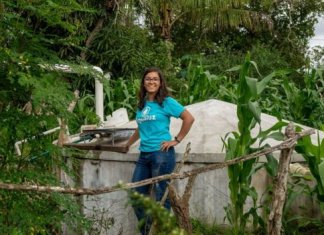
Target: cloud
[
  {"x": 319, "y": 28},
  {"x": 318, "y": 39}
]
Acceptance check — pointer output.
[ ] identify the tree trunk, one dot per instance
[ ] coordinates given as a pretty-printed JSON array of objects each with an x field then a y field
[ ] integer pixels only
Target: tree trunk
[
  {"x": 165, "y": 17},
  {"x": 91, "y": 37}
]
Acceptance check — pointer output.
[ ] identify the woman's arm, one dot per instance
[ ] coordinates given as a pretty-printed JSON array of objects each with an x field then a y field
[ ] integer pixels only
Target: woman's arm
[
  {"x": 132, "y": 139},
  {"x": 187, "y": 121}
]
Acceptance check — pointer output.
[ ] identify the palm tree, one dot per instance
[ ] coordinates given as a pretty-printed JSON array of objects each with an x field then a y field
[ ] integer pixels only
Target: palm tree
[{"x": 210, "y": 15}]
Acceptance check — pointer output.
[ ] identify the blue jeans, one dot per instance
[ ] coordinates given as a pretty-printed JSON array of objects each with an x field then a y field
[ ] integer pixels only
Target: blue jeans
[{"x": 151, "y": 164}]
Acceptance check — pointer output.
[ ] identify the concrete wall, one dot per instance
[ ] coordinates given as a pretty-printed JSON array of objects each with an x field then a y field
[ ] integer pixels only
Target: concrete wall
[{"x": 114, "y": 216}]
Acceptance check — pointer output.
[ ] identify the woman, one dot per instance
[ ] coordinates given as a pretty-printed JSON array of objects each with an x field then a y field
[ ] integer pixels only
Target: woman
[{"x": 157, "y": 155}]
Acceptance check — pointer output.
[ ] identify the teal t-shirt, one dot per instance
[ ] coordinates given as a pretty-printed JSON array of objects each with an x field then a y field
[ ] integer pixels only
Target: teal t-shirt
[{"x": 154, "y": 123}]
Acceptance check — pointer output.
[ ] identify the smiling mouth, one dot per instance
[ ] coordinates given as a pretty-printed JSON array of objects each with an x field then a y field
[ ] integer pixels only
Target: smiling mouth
[{"x": 150, "y": 87}]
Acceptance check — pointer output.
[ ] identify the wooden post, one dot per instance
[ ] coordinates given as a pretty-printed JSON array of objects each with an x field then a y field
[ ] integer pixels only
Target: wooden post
[
  {"x": 279, "y": 197},
  {"x": 64, "y": 135},
  {"x": 180, "y": 205}
]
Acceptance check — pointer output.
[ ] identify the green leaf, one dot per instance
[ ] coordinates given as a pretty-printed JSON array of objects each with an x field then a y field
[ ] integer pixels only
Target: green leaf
[
  {"x": 275, "y": 135},
  {"x": 321, "y": 147},
  {"x": 255, "y": 66},
  {"x": 232, "y": 144},
  {"x": 235, "y": 68},
  {"x": 307, "y": 146},
  {"x": 321, "y": 171},
  {"x": 275, "y": 127},
  {"x": 256, "y": 111},
  {"x": 252, "y": 84},
  {"x": 272, "y": 165},
  {"x": 264, "y": 82},
  {"x": 253, "y": 193}
]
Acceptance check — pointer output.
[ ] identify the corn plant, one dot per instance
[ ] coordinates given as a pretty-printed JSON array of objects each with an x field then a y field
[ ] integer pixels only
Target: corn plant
[
  {"x": 240, "y": 143},
  {"x": 121, "y": 93},
  {"x": 314, "y": 156},
  {"x": 302, "y": 102},
  {"x": 198, "y": 84}
]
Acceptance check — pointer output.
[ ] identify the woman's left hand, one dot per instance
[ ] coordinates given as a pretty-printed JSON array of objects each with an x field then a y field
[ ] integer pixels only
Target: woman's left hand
[{"x": 165, "y": 145}]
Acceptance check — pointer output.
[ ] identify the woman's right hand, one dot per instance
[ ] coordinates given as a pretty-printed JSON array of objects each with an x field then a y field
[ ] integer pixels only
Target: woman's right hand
[
  {"x": 165, "y": 145},
  {"x": 127, "y": 148}
]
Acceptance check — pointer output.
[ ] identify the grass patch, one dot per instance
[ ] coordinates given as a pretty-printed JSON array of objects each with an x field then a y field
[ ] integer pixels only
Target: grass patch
[{"x": 201, "y": 228}]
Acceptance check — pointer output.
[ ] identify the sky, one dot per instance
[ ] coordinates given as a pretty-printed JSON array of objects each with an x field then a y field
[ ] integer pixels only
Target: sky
[{"x": 318, "y": 39}]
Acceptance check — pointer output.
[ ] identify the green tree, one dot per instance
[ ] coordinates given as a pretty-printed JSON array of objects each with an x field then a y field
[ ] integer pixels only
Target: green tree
[
  {"x": 293, "y": 27},
  {"x": 284, "y": 44},
  {"x": 34, "y": 35},
  {"x": 206, "y": 15}
]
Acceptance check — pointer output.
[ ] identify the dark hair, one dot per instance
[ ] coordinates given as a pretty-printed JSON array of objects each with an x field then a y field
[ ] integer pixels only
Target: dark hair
[{"x": 162, "y": 92}]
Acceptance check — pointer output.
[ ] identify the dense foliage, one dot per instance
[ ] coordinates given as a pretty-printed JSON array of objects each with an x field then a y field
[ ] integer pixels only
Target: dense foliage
[{"x": 31, "y": 99}]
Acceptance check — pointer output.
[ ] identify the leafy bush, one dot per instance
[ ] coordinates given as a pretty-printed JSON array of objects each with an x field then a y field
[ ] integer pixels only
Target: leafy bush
[
  {"x": 121, "y": 93},
  {"x": 164, "y": 221},
  {"x": 32, "y": 97},
  {"x": 126, "y": 51}
]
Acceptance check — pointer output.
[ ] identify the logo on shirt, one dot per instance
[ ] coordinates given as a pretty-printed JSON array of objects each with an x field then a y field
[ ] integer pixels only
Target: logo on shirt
[
  {"x": 145, "y": 115},
  {"x": 145, "y": 111}
]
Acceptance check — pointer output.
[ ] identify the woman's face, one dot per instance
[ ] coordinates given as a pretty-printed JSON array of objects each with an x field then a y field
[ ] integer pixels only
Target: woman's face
[{"x": 152, "y": 83}]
